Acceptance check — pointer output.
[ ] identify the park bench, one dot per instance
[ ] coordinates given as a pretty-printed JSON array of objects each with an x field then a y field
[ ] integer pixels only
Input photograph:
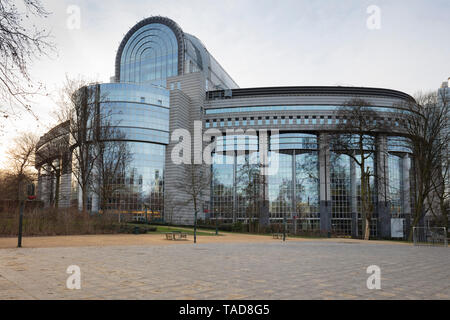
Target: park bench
[
  {"x": 277, "y": 236},
  {"x": 169, "y": 235},
  {"x": 176, "y": 235}
]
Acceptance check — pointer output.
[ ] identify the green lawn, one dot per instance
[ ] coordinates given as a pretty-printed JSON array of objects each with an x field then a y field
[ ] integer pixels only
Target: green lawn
[{"x": 189, "y": 231}]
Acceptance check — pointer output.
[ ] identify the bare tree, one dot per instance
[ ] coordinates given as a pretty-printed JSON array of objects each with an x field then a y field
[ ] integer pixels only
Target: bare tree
[
  {"x": 427, "y": 126},
  {"x": 113, "y": 160},
  {"x": 19, "y": 46},
  {"x": 170, "y": 205},
  {"x": 195, "y": 182},
  {"x": 80, "y": 105},
  {"x": 356, "y": 138},
  {"x": 248, "y": 178},
  {"x": 21, "y": 156}
]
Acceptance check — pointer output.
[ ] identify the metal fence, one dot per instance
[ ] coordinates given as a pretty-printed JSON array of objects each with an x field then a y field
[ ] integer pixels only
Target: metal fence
[{"x": 430, "y": 236}]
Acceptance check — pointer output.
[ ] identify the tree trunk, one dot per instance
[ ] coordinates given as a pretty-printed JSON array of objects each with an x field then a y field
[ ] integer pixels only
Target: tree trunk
[
  {"x": 367, "y": 230},
  {"x": 57, "y": 187},
  {"x": 195, "y": 226},
  {"x": 195, "y": 220},
  {"x": 84, "y": 200}
]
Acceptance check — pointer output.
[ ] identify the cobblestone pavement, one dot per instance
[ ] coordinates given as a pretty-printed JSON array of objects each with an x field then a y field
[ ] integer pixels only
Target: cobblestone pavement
[{"x": 291, "y": 270}]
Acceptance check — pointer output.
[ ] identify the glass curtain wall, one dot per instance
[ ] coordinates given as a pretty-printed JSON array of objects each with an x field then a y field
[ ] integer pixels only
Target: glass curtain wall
[
  {"x": 130, "y": 167},
  {"x": 150, "y": 55},
  {"x": 293, "y": 190},
  {"x": 395, "y": 189},
  {"x": 248, "y": 186},
  {"x": 307, "y": 190},
  {"x": 223, "y": 187},
  {"x": 281, "y": 187},
  {"x": 341, "y": 193}
]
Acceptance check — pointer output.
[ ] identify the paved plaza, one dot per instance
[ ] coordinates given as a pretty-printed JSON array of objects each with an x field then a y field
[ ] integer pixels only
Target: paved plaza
[{"x": 270, "y": 270}]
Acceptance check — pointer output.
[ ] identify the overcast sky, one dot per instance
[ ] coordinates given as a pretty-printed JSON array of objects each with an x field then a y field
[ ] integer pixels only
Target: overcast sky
[{"x": 259, "y": 43}]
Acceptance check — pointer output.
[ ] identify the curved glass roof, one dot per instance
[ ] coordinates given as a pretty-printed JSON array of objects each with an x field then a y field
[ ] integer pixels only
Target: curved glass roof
[{"x": 150, "y": 55}]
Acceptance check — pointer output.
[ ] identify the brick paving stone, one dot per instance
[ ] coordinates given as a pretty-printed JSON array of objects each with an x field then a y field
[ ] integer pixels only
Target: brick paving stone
[{"x": 292, "y": 270}]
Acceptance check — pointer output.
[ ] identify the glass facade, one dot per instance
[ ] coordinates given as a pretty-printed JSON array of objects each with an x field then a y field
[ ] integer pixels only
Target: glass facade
[
  {"x": 307, "y": 190},
  {"x": 141, "y": 182},
  {"x": 399, "y": 149},
  {"x": 150, "y": 55},
  {"x": 222, "y": 189},
  {"x": 341, "y": 193},
  {"x": 281, "y": 187},
  {"x": 395, "y": 190},
  {"x": 140, "y": 111},
  {"x": 248, "y": 186},
  {"x": 292, "y": 191},
  {"x": 139, "y": 116}
]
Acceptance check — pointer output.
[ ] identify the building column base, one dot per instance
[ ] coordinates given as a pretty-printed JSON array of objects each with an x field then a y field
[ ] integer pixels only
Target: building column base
[
  {"x": 384, "y": 221},
  {"x": 325, "y": 217}
]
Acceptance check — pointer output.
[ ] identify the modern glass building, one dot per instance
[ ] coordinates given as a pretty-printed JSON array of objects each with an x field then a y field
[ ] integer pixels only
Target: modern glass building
[{"x": 165, "y": 79}]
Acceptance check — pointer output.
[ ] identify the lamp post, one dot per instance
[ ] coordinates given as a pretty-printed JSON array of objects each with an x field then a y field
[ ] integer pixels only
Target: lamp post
[
  {"x": 31, "y": 196},
  {"x": 19, "y": 240}
]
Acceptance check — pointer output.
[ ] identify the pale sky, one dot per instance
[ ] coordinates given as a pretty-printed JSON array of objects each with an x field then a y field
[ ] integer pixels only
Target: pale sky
[{"x": 259, "y": 43}]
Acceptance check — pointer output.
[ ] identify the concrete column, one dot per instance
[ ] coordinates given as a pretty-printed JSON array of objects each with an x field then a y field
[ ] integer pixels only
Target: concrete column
[
  {"x": 406, "y": 190},
  {"x": 294, "y": 191},
  {"x": 406, "y": 167},
  {"x": 324, "y": 177},
  {"x": 80, "y": 198},
  {"x": 186, "y": 107},
  {"x": 234, "y": 187},
  {"x": 383, "y": 206},
  {"x": 263, "y": 142}
]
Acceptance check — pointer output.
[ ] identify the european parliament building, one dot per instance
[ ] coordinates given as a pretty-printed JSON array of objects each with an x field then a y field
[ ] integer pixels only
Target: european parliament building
[{"x": 165, "y": 79}]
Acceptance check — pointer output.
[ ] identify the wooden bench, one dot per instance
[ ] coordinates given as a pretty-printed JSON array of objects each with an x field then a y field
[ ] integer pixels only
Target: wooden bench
[
  {"x": 176, "y": 235},
  {"x": 277, "y": 236},
  {"x": 169, "y": 235}
]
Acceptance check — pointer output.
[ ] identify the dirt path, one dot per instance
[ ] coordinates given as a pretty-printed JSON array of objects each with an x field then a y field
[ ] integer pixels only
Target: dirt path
[{"x": 151, "y": 239}]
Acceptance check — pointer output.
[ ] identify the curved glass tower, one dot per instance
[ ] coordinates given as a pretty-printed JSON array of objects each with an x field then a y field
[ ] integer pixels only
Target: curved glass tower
[{"x": 138, "y": 106}]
